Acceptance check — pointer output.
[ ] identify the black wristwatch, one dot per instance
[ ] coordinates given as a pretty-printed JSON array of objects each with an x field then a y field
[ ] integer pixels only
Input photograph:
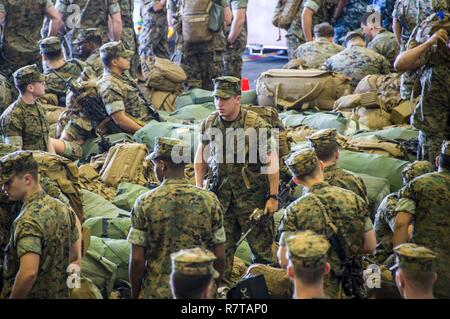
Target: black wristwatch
[{"x": 275, "y": 196}]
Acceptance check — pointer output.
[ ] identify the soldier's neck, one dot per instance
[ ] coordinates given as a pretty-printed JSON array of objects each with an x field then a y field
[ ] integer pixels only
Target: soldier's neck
[
  {"x": 36, "y": 188},
  {"x": 116, "y": 70},
  {"x": 28, "y": 98},
  {"x": 175, "y": 174},
  {"x": 411, "y": 294},
  {"x": 302, "y": 291},
  {"x": 55, "y": 64},
  {"x": 329, "y": 163},
  {"x": 311, "y": 182}
]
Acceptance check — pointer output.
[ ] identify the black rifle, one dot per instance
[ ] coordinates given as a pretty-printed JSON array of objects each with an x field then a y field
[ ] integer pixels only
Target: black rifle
[{"x": 91, "y": 106}]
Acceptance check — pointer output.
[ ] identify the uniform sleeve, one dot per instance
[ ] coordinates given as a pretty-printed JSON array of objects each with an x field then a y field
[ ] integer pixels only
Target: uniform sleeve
[
  {"x": 27, "y": 238},
  {"x": 368, "y": 225},
  {"x": 239, "y": 4},
  {"x": 74, "y": 235},
  {"x": 2, "y": 6},
  {"x": 314, "y": 5},
  {"x": 113, "y": 6},
  {"x": 264, "y": 130},
  {"x": 204, "y": 137},
  {"x": 12, "y": 127},
  {"x": 113, "y": 98},
  {"x": 217, "y": 222},
  {"x": 288, "y": 224},
  {"x": 137, "y": 234},
  {"x": 412, "y": 43},
  {"x": 386, "y": 66},
  {"x": 407, "y": 202},
  {"x": 49, "y": 4},
  {"x": 397, "y": 12}
]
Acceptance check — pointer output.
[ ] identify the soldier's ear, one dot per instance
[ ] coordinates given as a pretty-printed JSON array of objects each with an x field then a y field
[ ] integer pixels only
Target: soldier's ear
[
  {"x": 327, "y": 268},
  {"x": 290, "y": 270}
]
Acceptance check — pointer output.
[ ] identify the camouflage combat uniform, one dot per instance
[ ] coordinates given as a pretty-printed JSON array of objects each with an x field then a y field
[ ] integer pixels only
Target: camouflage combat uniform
[
  {"x": 350, "y": 19},
  {"x": 385, "y": 44},
  {"x": 153, "y": 37},
  {"x": 410, "y": 13},
  {"x": 176, "y": 215},
  {"x": 232, "y": 57},
  {"x": 385, "y": 218},
  {"x": 294, "y": 35},
  {"x": 22, "y": 124},
  {"x": 432, "y": 115},
  {"x": 46, "y": 227},
  {"x": 70, "y": 69},
  {"x": 347, "y": 211},
  {"x": 357, "y": 62},
  {"x": 316, "y": 52},
  {"x": 93, "y": 14},
  {"x": 129, "y": 38},
  {"x": 93, "y": 60},
  {"x": 229, "y": 179},
  {"x": 21, "y": 34},
  {"x": 427, "y": 199},
  {"x": 385, "y": 7}
]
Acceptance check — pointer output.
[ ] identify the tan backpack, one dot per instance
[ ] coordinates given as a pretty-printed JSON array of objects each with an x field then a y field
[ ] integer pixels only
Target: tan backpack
[
  {"x": 162, "y": 74},
  {"x": 195, "y": 19},
  {"x": 285, "y": 12},
  {"x": 301, "y": 89},
  {"x": 124, "y": 163}
]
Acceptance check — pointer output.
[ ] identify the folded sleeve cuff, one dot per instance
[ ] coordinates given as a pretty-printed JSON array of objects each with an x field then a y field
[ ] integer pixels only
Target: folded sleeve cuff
[
  {"x": 115, "y": 107},
  {"x": 312, "y": 5},
  {"x": 114, "y": 8},
  {"x": 406, "y": 205},
  {"x": 219, "y": 236},
  {"x": 29, "y": 244},
  {"x": 283, "y": 237},
  {"x": 368, "y": 226},
  {"x": 137, "y": 237}
]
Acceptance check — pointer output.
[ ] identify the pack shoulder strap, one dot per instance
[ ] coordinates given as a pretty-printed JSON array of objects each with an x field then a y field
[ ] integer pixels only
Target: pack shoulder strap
[
  {"x": 210, "y": 120},
  {"x": 250, "y": 119},
  {"x": 324, "y": 212}
]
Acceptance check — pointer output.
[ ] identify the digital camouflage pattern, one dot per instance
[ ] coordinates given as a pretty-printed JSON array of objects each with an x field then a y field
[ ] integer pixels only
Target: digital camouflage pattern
[
  {"x": 164, "y": 147},
  {"x": 129, "y": 37},
  {"x": 228, "y": 183},
  {"x": 153, "y": 37},
  {"x": 307, "y": 249},
  {"x": 46, "y": 227},
  {"x": 350, "y": 19},
  {"x": 302, "y": 162},
  {"x": 295, "y": 36},
  {"x": 431, "y": 116},
  {"x": 21, "y": 33},
  {"x": 385, "y": 7},
  {"x": 336, "y": 176},
  {"x": 414, "y": 257},
  {"x": 384, "y": 225},
  {"x": 415, "y": 169},
  {"x": 194, "y": 261},
  {"x": 316, "y": 52},
  {"x": 95, "y": 62},
  {"x": 93, "y": 14},
  {"x": 28, "y": 75},
  {"x": 50, "y": 45},
  {"x": 347, "y": 211},
  {"x": 227, "y": 86},
  {"x": 385, "y": 44},
  {"x": 427, "y": 199},
  {"x": 121, "y": 93},
  {"x": 171, "y": 217},
  {"x": 70, "y": 69},
  {"x": 413, "y": 12},
  {"x": 357, "y": 62},
  {"x": 27, "y": 122},
  {"x": 232, "y": 57}
]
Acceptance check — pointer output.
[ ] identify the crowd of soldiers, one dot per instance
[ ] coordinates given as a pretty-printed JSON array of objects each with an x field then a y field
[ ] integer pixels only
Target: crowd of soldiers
[{"x": 184, "y": 237}]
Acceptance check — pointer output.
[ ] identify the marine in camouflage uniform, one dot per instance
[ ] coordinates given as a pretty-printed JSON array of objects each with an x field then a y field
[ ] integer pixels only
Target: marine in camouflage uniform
[
  {"x": 118, "y": 92},
  {"x": 349, "y": 19},
  {"x": 385, "y": 218},
  {"x": 70, "y": 69},
  {"x": 153, "y": 37},
  {"x": 356, "y": 61},
  {"x": 90, "y": 37},
  {"x": 425, "y": 201},
  {"x": 176, "y": 215},
  {"x": 316, "y": 52},
  {"x": 324, "y": 140},
  {"x": 45, "y": 227},
  {"x": 232, "y": 57},
  {"x": 25, "y": 125},
  {"x": 408, "y": 14},
  {"x": 240, "y": 187},
  {"x": 92, "y": 14},
  {"x": 129, "y": 38},
  {"x": 294, "y": 35},
  {"x": 21, "y": 34},
  {"x": 347, "y": 211},
  {"x": 385, "y": 44},
  {"x": 432, "y": 115}
]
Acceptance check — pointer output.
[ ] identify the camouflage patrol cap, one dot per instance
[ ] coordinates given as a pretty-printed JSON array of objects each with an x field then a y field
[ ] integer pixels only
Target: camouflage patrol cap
[
  {"x": 302, "y": 162},
  {"x": 27, "y": 75},
  {"x": 15, "y": 163},
  {"x": 414, "y": 257},
  {"x": 415, "y": 169},
  {"x": 50, "y": 45},
  {"x": 445, "y": 149},
  {"x": 227, "y": 86},
  {"x": 350, "y": 35},
  {"x": 307, "y": 249},
  {"x": 86, "y": 34},
  {"x": 440, "y": 5},
  {"x": 195, "y": 261},
  {"x": 115, "y": 49},
  {"x": 163, "y": 147},
  {"x": 323, "y": 138}
]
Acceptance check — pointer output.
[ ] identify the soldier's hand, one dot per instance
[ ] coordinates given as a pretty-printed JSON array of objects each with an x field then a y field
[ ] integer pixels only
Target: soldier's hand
[
  {"x": 440, "y": 35},
  {"x": 157, "y": 7},
  {"x": 271, "y": 206}
]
